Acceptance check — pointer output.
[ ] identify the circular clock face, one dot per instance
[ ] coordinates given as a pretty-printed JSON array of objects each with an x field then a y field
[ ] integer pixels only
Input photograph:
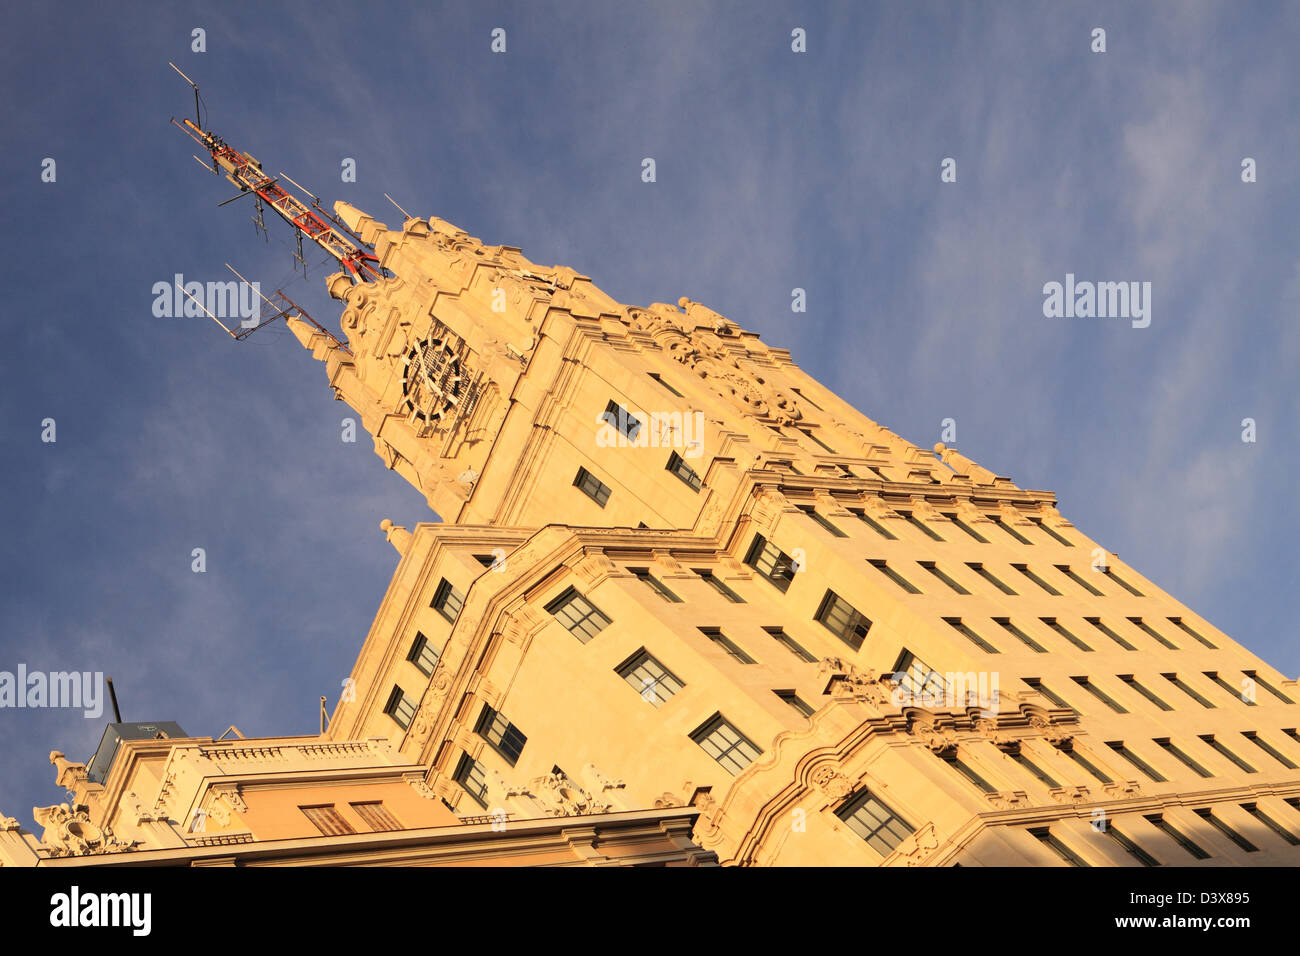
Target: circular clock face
[{"x": 433, "y": 379}]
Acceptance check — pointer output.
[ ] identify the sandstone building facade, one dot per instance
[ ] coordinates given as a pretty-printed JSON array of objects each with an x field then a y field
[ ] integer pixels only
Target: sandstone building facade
[{"x": 687, "y": 605}]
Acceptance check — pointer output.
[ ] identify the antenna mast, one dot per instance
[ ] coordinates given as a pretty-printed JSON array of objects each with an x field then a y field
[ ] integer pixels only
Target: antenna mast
[{"x": 355, "y": 256}]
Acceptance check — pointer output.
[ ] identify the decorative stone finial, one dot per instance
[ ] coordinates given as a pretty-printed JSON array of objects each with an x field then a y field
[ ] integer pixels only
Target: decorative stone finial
[
  {"x": 397, "y": 536},
  {"x": 69, "y": 774}
]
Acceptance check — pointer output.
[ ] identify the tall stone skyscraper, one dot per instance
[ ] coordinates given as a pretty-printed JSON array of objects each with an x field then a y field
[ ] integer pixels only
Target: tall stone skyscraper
[
  {"x": 685, "y": 604},
  {"x": 670, "y": 557}
]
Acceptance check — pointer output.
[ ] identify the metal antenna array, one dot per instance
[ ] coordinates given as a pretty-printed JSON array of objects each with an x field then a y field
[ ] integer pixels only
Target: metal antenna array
[{"x": 354, "y": 255}]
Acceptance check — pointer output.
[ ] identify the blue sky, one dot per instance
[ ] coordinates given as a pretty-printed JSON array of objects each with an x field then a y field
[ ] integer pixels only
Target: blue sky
[{"x": 775, "y": 170}]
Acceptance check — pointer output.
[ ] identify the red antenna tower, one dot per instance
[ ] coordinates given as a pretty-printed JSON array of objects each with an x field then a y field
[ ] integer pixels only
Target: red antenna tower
[{"x": 355, "y": 256}]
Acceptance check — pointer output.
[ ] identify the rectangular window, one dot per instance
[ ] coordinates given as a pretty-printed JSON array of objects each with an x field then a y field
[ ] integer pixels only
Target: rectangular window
[
  {"x": 918, "y": 679},
  {"x": 1135, "y": 760},
  {"x": 1039, "y": 686},
  {"x": 920, "y": 525},
  {"x": 1038, "y": 772},
  {"x": 400, "y": 707},
  {"x": 1069, "y": 573},
  {"x": 1042, "y": 526},
  {"x": 987, "y": 575},
  {"x": 967, "y": 632},
  {"x": 654, "y": 584},
  {"x": 376, "y": 816},
  {"x": 1260, "y": 682},
  {"x": 1122, "y": 583},
  {"x": 591, "y": 486},
  {"x": 1152, "y": 632},
  {"x": 649, "y": 678},
  {"x": 1073, "y": 753},
  {"x": 938, "y": 573},
  {"x": 811, "y": 512},
  {"x": 1232, "y": 691},
  {"x": 1097, "y": 623},
  {"x": 874, "y": 525},
  {"x": 1215, "y": 744},
  {"x": 969, "y": 774},
  {"x": 502, "y": 736},
  {"x": 1173, "y": 679},
  {"x": 659, "y": 379},
  {"x": 807, "y": 399},
  {"x": 1018, "y": 634},
  {"x": 790, "y": 644},
  {"x": 1272, "y": 824},
  {"x": 423, "y": 654},
  {"x": 619, "y": 417},
  {"x": 579, "y": 615},
  {"x": 876, "y": 823},
  {"x": 997, "y": 520},
  {"x": 1168, "y": 747},
  {"x": 327, "y": 820},
  {"x": 1169, "y": 830},
  {"x": 894, "y": 576},
  {"x": 1061, "y": 629},
  {"x": 1024, "y": 569},
  {"x": 795, "y": 701},
  {"x": 808, "y": 432},
  {"x": 1100, "y": 694},
  {"x": 1179, "y": 623},
  {"x": 1134, "y": 684},
  {"x": 1139, "y": 854},
  {"x": 713, "y": 581},
  {"x": 1045, "y": 837},
  {"x": 1208, "y": 816},
  {"x": 843, "y": 620},
  {"x": 472, "y": 776},
  {"x": 955, "y": 519},
  {"x": 447, "y": 601},
  {"x": 677, "y": 465},
  {"x": 1268, "y": 749},
  {"x": 771, "y": 562},
  {"x": 725, "y": 744},
  {"x": 731, "y": 648}
]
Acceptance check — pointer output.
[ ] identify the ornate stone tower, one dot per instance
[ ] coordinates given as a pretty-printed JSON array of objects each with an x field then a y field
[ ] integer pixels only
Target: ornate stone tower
[
  {"x": 488, "y": 380},
  {"x": 673, "y": 569}
]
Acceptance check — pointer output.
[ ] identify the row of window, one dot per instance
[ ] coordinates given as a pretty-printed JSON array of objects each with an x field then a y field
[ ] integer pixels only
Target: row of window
[
  {"x": 1193, "y": 849},
  {"x": 1029, "y": 574},
  {"x": 330, "y": 822},
  {"x": 1054, "y": 624},
  {"x": 599, "y": 492},
  {"x": 926, "y": 529},
  {"x": 1245, "y": 694},
  {"x": 1071, "y": 750}
]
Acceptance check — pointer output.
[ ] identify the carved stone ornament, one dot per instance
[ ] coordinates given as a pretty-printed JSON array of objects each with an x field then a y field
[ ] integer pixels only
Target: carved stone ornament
[
  {"x": 1070, "y": 794},
  {"x": 1008, "y": 799},
  {"x": 420, "y": 786},
  {"x": 828, "y": 780},
  {"x": 564, "y": 798},
  {"x": 915, "y": 848},
  {"x": 932, "y": 735},
  {"x": 68, "y": 774},
  {"x": 1123, "y": 788},
  {"x": 1051, "y": 733},
  {"x": 667, "y": 799},
  {"x": 232, "y": 798},
  {"x": 862, "y": 682},
  {"x": 70, "y": 832}
]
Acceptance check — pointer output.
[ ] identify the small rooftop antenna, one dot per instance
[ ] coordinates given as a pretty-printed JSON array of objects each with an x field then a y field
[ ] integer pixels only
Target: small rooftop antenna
[
  {"x": 399, "y": 208},
  {"x": 112, "y": 695}
]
